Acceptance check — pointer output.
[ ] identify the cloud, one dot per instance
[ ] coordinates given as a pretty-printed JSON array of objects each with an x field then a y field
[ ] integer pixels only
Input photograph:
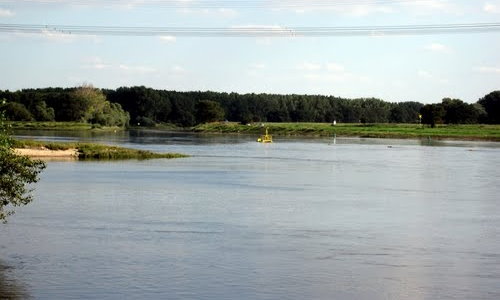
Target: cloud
[
  {"x": 307, "y": 66},
  {"x": 210, "y": 12},
  {"x": 491, "y": 8},
  {"x": 424, "y": 74},
  {"x": 436, "y": 47},
  {"x": 6, "y": 13},
  {"x": 342, "y": 8},
  {"x": 136, "y": 69},
  {"x": 178, "y": 70},
  {"x": 168, "y": 38},
  {"x": 256, "y": 69},
  {"x": 485, "y": 69},
  {"x": 426, "y": 7},
  {"x": 334, "y": 67},
  {"x": 97, "y": 63},
  {"x": 328, "y": 72},
  {"x": 429, "y": 76},
  {"x": 258, "y": 66}
]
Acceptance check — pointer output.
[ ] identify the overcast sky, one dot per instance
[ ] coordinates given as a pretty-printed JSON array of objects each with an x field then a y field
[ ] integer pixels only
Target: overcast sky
[{"x": 423, "y": 68}]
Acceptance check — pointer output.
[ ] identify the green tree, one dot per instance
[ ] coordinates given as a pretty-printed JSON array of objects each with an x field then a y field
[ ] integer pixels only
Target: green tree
[
  {"x": 42, "y": 112},
  {"x": 209, "y": 111},
  {"x": 459, "y": 112},
  {"x": 491, "y": 104},
  {"x": 97, "y": 110},
  {"x": 432, "y": 114},
  {"x": 16, "y": 172},
  {"x": 17, "y": 112}
]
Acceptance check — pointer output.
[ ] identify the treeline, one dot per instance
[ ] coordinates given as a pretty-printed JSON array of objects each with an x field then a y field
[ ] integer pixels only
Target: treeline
[
  {"x": 141, "y": 106},
  {"x": 81, "y": 104}
]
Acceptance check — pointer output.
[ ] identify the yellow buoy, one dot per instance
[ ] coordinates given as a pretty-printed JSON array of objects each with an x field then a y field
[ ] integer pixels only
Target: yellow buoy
[{"x": 267, "y": 138}]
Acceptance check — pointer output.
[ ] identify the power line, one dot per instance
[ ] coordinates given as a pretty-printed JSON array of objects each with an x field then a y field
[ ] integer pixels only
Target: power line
[
  {"x": 203, "y": 4},
  {"x": 253, "y": 31}
]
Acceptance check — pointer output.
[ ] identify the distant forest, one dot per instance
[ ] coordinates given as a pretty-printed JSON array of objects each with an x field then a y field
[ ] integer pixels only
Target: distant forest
[{"x": 142, "y": 106}]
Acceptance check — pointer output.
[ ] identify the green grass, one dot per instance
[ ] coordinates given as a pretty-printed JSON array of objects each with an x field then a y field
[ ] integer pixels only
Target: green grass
[
  {"x": 461, "y": 132},
  {"x": 57, "y": 126},
  {"x": 96, "y": 151}
]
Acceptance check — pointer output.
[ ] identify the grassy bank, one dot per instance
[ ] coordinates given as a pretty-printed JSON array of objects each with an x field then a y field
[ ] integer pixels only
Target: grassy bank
[
  {"x": 95, "y": 151},
  {"x": 25, "y": 125},
  {"x": 460, "y": 132},
  {"x": 57, "y": 126}
]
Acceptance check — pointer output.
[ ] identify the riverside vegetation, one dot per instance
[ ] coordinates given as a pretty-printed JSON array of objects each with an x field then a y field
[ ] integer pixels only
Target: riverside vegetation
[
  {"x": 86, "y": 107},
  {"x": 96, "y": 151},
  {"x": 462, "y": 132}
]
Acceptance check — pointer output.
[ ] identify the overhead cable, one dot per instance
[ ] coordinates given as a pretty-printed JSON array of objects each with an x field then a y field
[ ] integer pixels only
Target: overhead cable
[
  {"x": 212, "y": 4},
  {"x": 253, "y": 31}
]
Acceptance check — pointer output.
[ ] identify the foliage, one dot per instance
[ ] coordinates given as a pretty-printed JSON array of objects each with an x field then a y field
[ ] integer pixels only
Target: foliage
[
  {"x": 491, "y": 104},
  {"x": 15, "y": 173},
  {"x": 148, "y": 107},
  {"x": 95, "y": 151},
  {"x": 432, "y": 114},
  {"x": 17, "y": 111},
  {"x": 209, "y": 111},
  {"x": 97, "y": 110},
  {"x": 459, "y": 112},
  {"x": 42, "y": 112}
]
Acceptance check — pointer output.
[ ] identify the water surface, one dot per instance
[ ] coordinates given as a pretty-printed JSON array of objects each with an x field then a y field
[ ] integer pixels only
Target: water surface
[{"x": 296, "y": 219}]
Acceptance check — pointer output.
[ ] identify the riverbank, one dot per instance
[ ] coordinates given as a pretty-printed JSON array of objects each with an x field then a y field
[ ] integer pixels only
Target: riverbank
[
  {"x": 41, "y": 149},
  {"x": 456, "y": 132},
  {"x": 406, "y": 131},
  {"x": 25, "y": 125}
]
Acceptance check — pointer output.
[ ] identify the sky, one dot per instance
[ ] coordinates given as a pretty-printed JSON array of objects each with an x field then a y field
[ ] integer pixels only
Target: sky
[{"x": 395, "y": 68}]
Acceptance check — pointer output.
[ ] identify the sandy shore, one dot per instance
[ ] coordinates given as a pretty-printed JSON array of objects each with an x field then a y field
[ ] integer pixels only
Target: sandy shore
[{"x": 47, "y": 153}]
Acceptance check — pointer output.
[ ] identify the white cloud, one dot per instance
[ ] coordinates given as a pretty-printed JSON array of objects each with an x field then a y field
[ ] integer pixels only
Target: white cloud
[
  {"x": 424, "y": 74},
  {"x": 433, "y": 78},
  {"x": 256, "y": 69},
  {"x": 354, "y": 10},
  {"x": 307, "y": 66},
  {"x": 6, "y": 13},
  {"x": 426, "y": 7},
  {"x": 258, "y": 66},
  {"x": 329, "y": 72},
  {"x": 436, "y": 47},
  {"x": 210, "y": 12},
  {"x": 178, "y": 70},
  {"x": 491, "y": 8},
  {"x": 489, "y": 69},
  {"x": 136, "y": 69},
  {"x": 97, "y": 63},
  {"x": 334, "y": 67},
  {"x": 168, "y": 38}
]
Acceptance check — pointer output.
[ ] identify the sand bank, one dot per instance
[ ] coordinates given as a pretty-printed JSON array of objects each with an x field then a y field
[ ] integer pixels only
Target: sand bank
[{"x": 44, "y": 152}]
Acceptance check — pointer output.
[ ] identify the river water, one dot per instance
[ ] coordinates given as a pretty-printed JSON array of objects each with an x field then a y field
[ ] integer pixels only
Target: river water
[{"x": 297, "y": 219}]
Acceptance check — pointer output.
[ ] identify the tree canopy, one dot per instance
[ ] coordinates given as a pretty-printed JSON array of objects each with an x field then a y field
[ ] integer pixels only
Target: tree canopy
[
  {"x": 16, "y": 172},
  {"x": 146, "y": 107}
]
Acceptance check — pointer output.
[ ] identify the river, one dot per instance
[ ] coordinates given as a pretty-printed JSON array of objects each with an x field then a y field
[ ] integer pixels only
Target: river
[{"x": 344, "y": 218}]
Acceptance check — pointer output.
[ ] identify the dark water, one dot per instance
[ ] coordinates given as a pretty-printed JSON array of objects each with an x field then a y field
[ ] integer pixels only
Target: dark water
[{"x": 297, "y": 219}]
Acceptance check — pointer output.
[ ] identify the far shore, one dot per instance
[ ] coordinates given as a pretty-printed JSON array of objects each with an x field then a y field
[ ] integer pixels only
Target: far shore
[{"x": 474, "y": 132}]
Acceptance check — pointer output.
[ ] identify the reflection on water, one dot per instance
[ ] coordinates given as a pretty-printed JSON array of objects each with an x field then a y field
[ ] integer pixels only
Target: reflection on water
[
  {"x": 10, "y": 288},
  {"x": 296, "y": 219}
]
